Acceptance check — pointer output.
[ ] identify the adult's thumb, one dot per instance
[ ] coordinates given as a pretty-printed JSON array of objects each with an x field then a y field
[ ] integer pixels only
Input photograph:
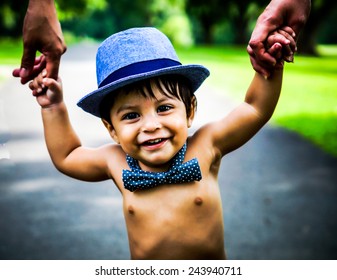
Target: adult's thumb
[{"x": 27, "y": 62}]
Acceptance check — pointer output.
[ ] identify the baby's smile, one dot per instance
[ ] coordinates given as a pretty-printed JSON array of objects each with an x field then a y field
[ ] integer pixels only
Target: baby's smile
[{"x": 154, "y": 144}]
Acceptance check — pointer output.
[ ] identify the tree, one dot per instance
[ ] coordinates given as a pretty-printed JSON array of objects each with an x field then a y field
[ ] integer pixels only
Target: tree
[
  {"x": 240, "y": 14},
  {"x": 207, "y": 14},
  {"x": 11, "y": 17},
  {"x": 12, "y": 13},
  {"x": 170, "y": 17},
  {"x": 229, "y": 21},
  {"x": 320, "y": 11},
  {"x": 167, "y": 15},
  {"x": 116, "y": 16}
]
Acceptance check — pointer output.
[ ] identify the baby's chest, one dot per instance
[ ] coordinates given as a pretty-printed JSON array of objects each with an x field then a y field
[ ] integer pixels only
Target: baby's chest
[{"x": 170, "y": 202}]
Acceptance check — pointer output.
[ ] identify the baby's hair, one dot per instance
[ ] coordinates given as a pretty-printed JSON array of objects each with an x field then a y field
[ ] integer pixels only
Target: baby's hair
[{"x": 169, "y": 85}]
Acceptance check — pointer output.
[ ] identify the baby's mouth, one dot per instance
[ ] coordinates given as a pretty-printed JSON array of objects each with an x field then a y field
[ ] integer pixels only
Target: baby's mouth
[{"x": 154, "y": 142}]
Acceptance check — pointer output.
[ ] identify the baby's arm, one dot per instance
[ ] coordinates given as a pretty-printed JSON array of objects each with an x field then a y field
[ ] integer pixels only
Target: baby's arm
[
  {"x": 258, "y": 106},
  {"x": 63, "y": 144}
]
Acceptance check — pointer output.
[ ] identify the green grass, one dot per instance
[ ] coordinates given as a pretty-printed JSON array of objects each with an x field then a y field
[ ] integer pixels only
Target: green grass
[
  {"x": 10, "y": 51},
  {"x": 308, "y": 103},
  {"x": 10, "y": 54}
]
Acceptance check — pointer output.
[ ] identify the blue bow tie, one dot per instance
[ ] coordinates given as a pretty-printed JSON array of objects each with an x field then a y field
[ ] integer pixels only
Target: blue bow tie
[{"x": 178, "y": 173}]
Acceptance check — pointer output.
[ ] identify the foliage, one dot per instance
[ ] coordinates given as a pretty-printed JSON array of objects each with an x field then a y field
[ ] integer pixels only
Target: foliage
[
  {"x": 214, "y": 21},
  {"x": 12, "y": 12},
  {"x": 11, "y": 17},
  {"x": 116, "y": 16},
  {"x": 206, "y": 15},
  {"x": 320, "y": 14},
  {"x": 71, "y": 9},
  {"x": 171, "y": 18},
  {"x": 178, "y": 29},
  {"x": 167, "y": 15}
]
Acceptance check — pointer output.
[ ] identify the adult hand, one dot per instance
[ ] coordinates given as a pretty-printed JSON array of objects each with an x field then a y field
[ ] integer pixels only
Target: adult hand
[
  {"x": 41, "y": 32},
  {"x": 279, "y": 13}
]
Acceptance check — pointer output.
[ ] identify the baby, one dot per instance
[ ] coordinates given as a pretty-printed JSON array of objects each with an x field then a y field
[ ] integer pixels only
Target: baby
[{"x": 168, "y": 179}]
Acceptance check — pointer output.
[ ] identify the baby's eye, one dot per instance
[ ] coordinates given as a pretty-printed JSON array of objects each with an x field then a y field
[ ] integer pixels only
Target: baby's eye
[
  {"x": 164, "y": 108},
  {"x": 130, "y": 116}
]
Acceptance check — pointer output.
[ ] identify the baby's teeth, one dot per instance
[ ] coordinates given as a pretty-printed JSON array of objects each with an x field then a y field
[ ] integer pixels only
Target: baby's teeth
[{"x": 155, "y": 141}]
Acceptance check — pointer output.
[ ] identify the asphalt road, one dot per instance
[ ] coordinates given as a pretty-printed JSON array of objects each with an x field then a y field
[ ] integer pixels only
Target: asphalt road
[{"x": 279, "y": 191}]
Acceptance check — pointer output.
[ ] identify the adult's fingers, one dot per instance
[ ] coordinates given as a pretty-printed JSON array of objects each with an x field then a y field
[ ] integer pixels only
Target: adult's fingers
[
  {"x": 259, "y": 34},
  {"x": 261, "y": 60},
  {"x": 27, "y": 60},
  {"x": 40, "y": 64},
  {"x": 52, "y": 65},
  {"x": 263, "y": 70}
]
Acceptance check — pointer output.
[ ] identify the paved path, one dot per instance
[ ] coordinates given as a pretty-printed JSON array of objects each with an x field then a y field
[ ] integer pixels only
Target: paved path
[{"x": 279, "y": 192}]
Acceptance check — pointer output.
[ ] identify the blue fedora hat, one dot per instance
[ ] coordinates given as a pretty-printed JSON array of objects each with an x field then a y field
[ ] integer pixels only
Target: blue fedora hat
[{"x": 133, "y": 55}]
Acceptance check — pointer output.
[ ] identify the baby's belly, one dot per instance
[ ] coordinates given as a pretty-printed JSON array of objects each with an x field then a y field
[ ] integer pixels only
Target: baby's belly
[{"x": 183, "y": 222}]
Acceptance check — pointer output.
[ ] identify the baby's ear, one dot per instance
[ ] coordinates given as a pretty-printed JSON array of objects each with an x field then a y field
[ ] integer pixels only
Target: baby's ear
[
  {"x": 111, "y": 130},
  {"x": 193, "y": 109}
]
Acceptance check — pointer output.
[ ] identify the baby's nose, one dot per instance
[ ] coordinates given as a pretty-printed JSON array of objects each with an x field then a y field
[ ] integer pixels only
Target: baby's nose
[{"x": 151, "y": 123}]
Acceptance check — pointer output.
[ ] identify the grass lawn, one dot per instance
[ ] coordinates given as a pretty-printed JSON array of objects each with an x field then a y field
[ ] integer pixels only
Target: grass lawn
[
  {"x": 308, "y": 103},
  {"x": 10, "y": 51},
  {"x": 10, "y": 54}
]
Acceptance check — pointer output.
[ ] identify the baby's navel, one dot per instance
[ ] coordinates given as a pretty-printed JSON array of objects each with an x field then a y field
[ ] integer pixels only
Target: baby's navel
[
  {"x": 198, "y": 201},
  {"x": 131, "y": 210}
]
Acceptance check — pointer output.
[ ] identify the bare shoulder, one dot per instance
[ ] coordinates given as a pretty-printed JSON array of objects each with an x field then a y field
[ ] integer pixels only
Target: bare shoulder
[
  {"x": 116, "y": 161},
  {"x": 113, "y": 153},
  {"x": 205, "y": 137},
  {"x": 202, "y": 145},
  {"x": 229, "y": 133}
]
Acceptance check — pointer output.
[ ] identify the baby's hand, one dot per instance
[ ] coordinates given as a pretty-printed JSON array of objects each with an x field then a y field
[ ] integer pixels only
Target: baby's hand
[
  {"x": 48, "y": 92},
  {"x": 281, "y": 45}
]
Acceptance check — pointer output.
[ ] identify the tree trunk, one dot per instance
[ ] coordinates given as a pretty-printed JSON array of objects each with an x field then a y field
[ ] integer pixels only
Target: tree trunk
[
  {"x": 208, "y": 31},
  {"x": 240, "y": 36},
  {"x": 307, "y": 43}
]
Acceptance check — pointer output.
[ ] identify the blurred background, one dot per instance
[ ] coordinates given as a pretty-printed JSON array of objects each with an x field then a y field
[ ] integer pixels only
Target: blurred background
[
  {"x": 186, "y": 22},
  {"x": 197, "y": 27},
  {"x": 279, "y": 191}
]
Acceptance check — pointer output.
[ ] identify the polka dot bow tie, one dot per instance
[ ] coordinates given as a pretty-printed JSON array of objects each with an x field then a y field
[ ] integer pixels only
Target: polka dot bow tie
[{"x": 179, "y": 172}]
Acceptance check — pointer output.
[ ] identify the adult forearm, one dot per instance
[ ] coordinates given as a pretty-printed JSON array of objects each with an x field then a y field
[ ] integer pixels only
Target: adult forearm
[
  {"x": 38, "y": 3},
  {"x": 42, "y": 8}
]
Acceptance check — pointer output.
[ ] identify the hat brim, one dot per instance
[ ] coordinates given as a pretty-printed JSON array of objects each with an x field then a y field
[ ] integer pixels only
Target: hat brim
[{"x": 196, "y": 74}]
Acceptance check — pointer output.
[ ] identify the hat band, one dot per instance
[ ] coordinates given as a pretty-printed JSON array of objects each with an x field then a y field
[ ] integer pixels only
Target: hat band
[{"x": 138, "y": 68}]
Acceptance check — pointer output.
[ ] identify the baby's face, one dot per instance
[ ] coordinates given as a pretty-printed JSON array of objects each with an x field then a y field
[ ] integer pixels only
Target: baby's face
[{"x": 151, "y": 130}]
